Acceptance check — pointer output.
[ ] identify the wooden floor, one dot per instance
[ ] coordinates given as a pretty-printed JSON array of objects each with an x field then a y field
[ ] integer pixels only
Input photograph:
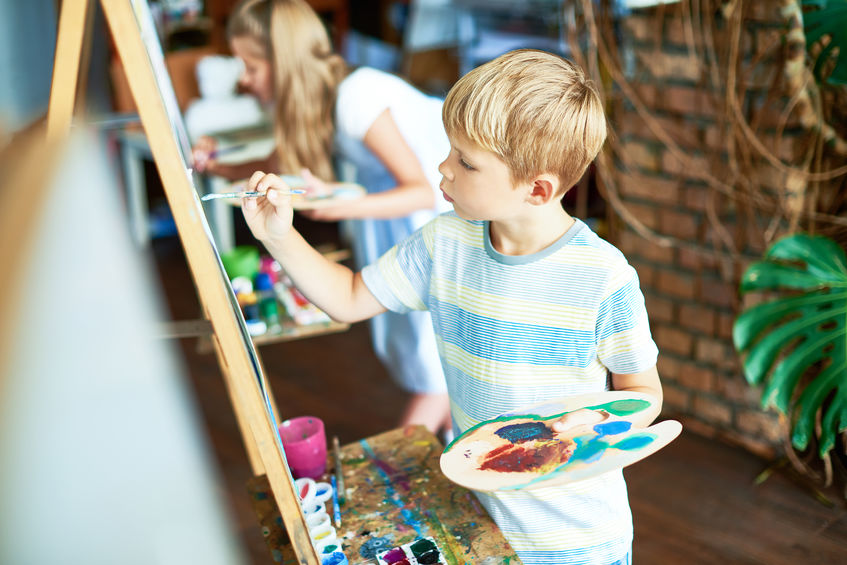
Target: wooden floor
[{"x": 693, "y": 503}]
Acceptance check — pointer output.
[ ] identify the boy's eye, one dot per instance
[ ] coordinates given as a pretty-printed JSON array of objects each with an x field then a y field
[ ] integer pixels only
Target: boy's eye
[{"x": 465, "y": 164}]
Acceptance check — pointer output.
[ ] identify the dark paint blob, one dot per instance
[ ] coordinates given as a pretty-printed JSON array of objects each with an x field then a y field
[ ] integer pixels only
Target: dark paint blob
[
  {"x": 516, "y": 459},
  {"x": 422, "y": 546},
  {"x": 528, "y": 431},
  {"x": 429, "y": 557}
]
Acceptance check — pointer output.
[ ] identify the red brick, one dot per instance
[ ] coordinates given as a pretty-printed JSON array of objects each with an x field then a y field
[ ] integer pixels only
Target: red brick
[
  {"x": 688, "y": 101},
  {"x": 711, "y": 410},
  {"x": 767, "y": 12},
  {"x": 646, "y": 275},
  {"x": 637, "y": 248},
  {"x": 696, "y": 259},
  {"x": 640, "y": 156},
  {"x": 669, "y": 367},
  {"x": 660, "y": 309},
  {"x": 696, "y": 196},
  {"x": 736, "y": 390},
  {"x": 647, "y": 214},
  {"x": 641, "y": 186},
  {"x": 725, "y": 324},
  {"x": 718, "y": 353},
  {"x": 673, "y": 340},
  {"x": 696, "y": 378},
  {"x": 681, "y": 131},
  {"x": 699, "y": 318},
  {"x": 700, "y": 428},
  {"x": 664, "y": 66},
  {"x": 718, "y": 292},
  {"x": 675, "y": 400},
  {"x": 693, "y": 166},
  {"x": 678, "y": 224},
  {"x": 640, "y": 27},
  {"x": 760, "y": 425},
  {"x": 676, "y": 284},
  {"x": 755, "y": 446}
]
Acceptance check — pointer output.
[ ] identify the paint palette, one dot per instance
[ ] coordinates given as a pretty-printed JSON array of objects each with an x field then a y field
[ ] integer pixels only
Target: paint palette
[
  {"x": 423, "y": 551},
  {"x": 520, "y": 450}
]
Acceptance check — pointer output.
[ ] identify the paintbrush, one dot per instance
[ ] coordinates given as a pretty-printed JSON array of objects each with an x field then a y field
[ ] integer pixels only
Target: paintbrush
[
  {"x": 336, "y": 448},
  {"x": 246, "y": 194},
  {"x": 226, "y": 150}
]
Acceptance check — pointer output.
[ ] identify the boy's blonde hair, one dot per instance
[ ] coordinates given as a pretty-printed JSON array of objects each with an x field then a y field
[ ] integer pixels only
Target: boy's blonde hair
[
  {"x": 538, "y": 112},
  {"x": 307, "y": 73}
]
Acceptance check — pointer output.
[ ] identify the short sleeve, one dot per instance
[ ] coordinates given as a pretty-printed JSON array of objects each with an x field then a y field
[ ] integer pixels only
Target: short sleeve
[
  {"x": 400, "y": 278},
  {"x": 624, "y": 342},
  {"x": 362, "y": 97}
]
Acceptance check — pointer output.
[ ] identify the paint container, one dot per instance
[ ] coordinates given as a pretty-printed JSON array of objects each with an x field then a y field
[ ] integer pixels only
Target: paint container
[
  {"x": 323, "y": 534},
  {"x": 334, "y": 558},
  {"x": 268, "y": 306},
  {"x": 422, "y": 551},
  {"x": 304, "y": 441}
]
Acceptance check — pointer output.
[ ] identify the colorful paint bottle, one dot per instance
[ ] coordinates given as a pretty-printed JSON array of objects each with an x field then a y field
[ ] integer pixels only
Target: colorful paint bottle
[{"x": 268, "y": 308}]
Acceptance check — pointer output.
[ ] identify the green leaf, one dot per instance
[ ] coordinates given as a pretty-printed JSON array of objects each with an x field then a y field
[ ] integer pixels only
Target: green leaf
[
  {"x": 801, "y": 332},
  {"x": 829, "y": 20}
]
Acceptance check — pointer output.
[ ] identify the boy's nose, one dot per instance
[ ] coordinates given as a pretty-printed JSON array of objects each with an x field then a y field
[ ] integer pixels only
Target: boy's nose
[{"x": 444, "y": 170}]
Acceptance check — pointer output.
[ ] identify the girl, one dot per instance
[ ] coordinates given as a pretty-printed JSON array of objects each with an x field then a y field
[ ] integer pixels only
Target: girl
[{"x": 393, "y": 135}]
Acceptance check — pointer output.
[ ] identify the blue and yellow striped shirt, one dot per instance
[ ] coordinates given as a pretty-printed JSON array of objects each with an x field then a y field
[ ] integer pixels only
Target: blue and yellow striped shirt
[{"x": 517, "y": 330}]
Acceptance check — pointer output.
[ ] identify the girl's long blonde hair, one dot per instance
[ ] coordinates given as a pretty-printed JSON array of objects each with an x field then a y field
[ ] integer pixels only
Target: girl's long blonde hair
[{"x": 307, "y": 73}]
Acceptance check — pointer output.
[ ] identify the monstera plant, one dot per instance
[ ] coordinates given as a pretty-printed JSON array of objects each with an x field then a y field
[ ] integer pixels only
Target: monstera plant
[
  {"x": 828, "y": 20},
  {"x": 795, "y": 344}
]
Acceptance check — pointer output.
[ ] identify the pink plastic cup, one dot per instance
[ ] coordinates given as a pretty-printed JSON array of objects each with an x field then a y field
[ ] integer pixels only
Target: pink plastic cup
[{"x": 304, "y": 441}]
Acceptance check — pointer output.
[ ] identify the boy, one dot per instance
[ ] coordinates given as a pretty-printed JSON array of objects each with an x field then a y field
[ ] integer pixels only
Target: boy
[{"x": 528, "y": 304}]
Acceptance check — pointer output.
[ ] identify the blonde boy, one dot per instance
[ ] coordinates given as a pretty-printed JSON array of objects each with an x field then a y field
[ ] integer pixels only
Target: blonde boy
[{"x": 528, "y": 304}]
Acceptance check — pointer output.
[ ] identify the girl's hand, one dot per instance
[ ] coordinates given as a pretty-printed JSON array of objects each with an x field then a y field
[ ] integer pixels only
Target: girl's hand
[
  {"x": 202, "y": 154},
  {"x": 269, "y": 217},
  {"x": 315, "y": 187}
]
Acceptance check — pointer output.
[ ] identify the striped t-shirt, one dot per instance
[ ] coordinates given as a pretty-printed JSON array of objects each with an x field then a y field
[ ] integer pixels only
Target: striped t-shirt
[{"x": 517, "y": 330}]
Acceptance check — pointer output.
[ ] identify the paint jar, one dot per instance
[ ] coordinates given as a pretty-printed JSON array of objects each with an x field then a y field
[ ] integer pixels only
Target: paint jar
[
  {"x": 334, "y": 558},
  {"x": 268, "y": 306},
  {"x": 304, "y": 441}
]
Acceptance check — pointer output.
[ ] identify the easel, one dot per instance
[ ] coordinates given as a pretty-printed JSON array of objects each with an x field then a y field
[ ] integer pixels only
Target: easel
[{"x": 128, "y": 22}]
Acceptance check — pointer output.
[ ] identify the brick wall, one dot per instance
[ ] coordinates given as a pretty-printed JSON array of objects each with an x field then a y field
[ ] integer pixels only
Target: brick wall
[{"x": 696, "y": 240}]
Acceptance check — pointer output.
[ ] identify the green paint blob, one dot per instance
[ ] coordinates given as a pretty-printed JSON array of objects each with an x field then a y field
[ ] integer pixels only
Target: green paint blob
[
  {"x": 422, "y": 546},
  {"x": 624, "y": 407}
]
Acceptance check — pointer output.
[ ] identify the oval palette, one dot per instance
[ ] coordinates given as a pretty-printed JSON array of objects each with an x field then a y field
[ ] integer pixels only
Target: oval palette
[{"x": 520, "y": 449}]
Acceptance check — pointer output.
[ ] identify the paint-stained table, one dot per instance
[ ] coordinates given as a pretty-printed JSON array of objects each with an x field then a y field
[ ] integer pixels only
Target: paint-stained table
[{"x": 395, "y": 494}]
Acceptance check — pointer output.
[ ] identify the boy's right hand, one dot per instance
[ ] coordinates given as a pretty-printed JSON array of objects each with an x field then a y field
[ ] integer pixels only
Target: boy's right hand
[{"x": 269, "y": 217}]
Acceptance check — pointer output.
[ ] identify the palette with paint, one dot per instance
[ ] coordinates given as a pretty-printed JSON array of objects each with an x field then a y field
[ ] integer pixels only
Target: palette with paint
[
  {"x": 521, "y": 450},
  {"x": 423, "y": 551}
]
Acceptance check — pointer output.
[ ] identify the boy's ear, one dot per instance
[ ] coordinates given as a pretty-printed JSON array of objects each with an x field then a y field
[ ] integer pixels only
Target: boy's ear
[{"x": 544, "y": 188}]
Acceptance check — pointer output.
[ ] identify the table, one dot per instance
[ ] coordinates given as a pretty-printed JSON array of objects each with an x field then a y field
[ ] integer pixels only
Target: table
[{"x": 395, "y": 494}]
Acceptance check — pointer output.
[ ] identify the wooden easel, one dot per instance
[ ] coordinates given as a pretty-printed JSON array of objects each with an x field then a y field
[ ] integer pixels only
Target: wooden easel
[{"x": 129, "y": 22}]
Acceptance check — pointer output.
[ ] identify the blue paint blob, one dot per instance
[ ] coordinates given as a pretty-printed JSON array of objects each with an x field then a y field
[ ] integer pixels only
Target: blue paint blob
[
  {"x": 612, "y": 428},
  {"x": 588, "y": 451},
  {"x": 528, "y": 431},
  {"x": 635, "y": 442},
  {"x": 334, "y": 558}
]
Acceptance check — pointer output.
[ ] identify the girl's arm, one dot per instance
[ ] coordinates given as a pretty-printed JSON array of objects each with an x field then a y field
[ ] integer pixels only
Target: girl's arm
[
  {"x": 330, "y": 286},
  {"x": 413, "y": 191}
]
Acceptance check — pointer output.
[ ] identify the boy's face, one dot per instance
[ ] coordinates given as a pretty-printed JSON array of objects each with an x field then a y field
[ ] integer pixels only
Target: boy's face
[
  {"x": 257, "y": 77},
  {"x": 478, "y": 183}
]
